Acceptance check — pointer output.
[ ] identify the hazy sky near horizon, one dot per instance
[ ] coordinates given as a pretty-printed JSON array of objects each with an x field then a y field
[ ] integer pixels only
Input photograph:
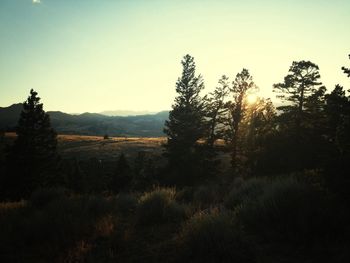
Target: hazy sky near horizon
[{"x": 96, "y": 55}]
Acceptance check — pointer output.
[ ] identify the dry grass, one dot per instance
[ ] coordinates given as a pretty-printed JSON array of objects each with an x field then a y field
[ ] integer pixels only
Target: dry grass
[{"x": 84, "y": 147}]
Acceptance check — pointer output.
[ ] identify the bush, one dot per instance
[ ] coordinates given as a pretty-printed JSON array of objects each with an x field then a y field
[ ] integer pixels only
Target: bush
[
  {"x": 205, "y": 196},
  {"x": 125, "y": 203},
  {"x": 42, "y": 197},
  {"x": 185, "y": 194},
  {"x": 291, "y": 216},
  {"x": 247, "y": 191},
  {"x": 214, "y": 237},
  {"x": 45, "y": 234},
  {"x": 159, "y": 206}
]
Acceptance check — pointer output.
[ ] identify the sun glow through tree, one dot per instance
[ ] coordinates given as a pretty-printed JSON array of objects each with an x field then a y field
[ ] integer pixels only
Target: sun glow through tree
[{"x": 252, "y": 98}]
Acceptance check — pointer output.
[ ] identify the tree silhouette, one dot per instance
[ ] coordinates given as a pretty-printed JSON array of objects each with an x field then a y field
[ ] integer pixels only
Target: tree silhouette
[
  {"x": 186, "y": 124},
  {"x": 346, "y": 70},
  {"x": 301, "y": 82},
  {"x": 216, "y": 111},
  {"x": 32, "y": 159},
  {"x": 241, "y": 86},
  {"x": 77, "y": 180},
  {"x": 122, "y": 177}
]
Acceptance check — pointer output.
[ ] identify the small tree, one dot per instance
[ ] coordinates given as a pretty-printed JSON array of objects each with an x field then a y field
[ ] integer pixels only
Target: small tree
[
  {"x": 186, "y": 124},
  {"x": 77, "y": 180},
  {"x": 122, "y": 177},
  {"x": 32, "y": 160}
]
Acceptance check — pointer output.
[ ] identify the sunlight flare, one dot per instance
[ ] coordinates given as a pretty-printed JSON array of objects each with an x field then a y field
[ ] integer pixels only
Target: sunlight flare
[{"x": 252, "y": 98}]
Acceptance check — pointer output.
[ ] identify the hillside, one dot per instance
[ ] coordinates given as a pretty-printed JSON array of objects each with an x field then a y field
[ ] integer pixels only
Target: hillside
[{"x": 149, "y": 125}]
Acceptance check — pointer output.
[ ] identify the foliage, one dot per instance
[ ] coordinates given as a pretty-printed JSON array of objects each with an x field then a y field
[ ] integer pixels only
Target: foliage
[
  {"x": 301, "y": 82},
  {"x": 205, "y": 196},
  {"x": 294, "y": 215},
  {"x": 346, "y": 70},
  {"x": 144, "y": 172},
  {"x": 42, "y": 197},
  {"x": 126, "y": 203},
  {"x": 32, "y": 159},
  {"x": 214, "y": 237},
  {"x": 216, "y": 111},
  {"x": 46, "y": 234},
  {"x": 77, "y": 178},
  {"x": 249, "y": 191},
  {"x": 241, "y": 87},
  {"x": 159, "y": 206},
  {"x": 122, "y": 177},
  {"x": 186, "y": 124}
]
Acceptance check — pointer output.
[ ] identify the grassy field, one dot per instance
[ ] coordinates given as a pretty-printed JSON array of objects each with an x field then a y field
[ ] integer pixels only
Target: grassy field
[{"x": 86, "y": 147}]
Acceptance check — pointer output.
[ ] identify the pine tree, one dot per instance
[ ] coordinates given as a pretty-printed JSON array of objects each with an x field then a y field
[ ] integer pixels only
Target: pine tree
[
  {"x": 216, "y": 111},
  {"x": 122, "y": 177},
  {"x": 77, "y": 178},
  {"x": 241, "y": 87},
  {"x": 302, "y": 120},
  {"x": 31, "y": 162},
  {"x": 301, "y": 82},
  {"x": 337, "y": 111},
  {"x": 346, "y": 70},
  {"x": 186, "y": 124}
]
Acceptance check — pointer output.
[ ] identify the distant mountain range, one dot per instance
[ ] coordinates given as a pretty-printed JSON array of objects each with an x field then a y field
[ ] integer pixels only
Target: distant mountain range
[
  {"x": 146, "y": 125},
  {"x": 126, "y": 113}
]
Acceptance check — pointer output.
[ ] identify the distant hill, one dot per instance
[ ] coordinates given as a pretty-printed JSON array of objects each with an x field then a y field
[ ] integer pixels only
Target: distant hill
[
  {"x": 125, "y": 113},
  {"x": 147, "y": 125},
  {"x": 9, "y": 115}
]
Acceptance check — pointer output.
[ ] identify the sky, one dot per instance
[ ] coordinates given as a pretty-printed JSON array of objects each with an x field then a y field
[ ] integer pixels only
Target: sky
[{"x": 96, "y": 55}]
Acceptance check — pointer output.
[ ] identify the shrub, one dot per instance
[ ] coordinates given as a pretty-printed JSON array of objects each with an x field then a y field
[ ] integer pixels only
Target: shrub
[
  {"x": 42, "y": 197},
  {"x": 205, "y": 196},
  {"x": 159, "y": 206},
  {"x": 45, "y": 234},
  {"x": 213, "y": 237},
  {"x": 125, "y": 203},
  {"x": 185, "y": 194},
  {"x": 292, "y": 216},
  {"x": 248, "y": 190}
]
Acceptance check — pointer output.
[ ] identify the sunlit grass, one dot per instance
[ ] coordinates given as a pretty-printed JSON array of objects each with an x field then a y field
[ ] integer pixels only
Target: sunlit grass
[{"x": 5, "y": 206}]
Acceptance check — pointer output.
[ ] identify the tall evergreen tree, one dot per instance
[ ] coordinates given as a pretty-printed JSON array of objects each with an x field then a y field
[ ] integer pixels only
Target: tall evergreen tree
[
  {"x": 241, "y": 87},
  {"x": 337, "y": 110},
  {"x": 32, "y": 160},
  {"x": 302, "y": 122},
  {"x": 186, "y": 124},
  {"x": 301, "y": 82},
  {"x": 216, "y": 111}
]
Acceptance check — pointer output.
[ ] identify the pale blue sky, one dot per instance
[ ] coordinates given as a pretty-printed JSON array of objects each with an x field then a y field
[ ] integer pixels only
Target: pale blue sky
[{"x": 95, "y": 55}]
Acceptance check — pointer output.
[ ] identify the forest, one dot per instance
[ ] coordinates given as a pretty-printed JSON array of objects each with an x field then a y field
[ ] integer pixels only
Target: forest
[{"x": 283, "y": 196}]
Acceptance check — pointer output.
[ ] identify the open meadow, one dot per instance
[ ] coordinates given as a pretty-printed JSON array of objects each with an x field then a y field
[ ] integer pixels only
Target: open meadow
[{"x": 83, "y": 147}]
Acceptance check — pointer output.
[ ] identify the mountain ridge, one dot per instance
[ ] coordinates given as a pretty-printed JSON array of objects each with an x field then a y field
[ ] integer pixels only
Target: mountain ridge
[{"x": 147, "y": 125}]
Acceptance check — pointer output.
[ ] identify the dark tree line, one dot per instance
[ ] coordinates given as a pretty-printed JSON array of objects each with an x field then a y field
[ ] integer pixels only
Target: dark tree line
[{"x": 309, "y": 131}]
